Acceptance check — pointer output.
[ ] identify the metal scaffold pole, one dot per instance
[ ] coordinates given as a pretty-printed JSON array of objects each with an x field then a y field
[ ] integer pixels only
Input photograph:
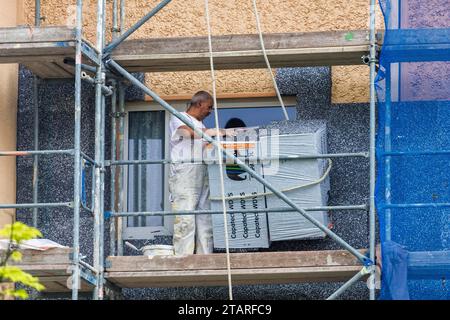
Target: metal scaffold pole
[
  {"x": 372, "y": 146},
  {"x": 101, "y": 253},
  {"x": 37, "y": 13},
  {"x": 200, "y": 212},
  {"x": 119, "y": 134},
  {"x": 121, "y": 171},
  {"x": 112, "y": 224},
  {"x": 77, "y": 157},
  {"x": 257, "y": 160},
  {"x": 37, "y": 23},
  {"x": 36, "y": 148},
  {"x": 102, "y": 172},
  {"x": 115, "y": 20},
  {"x": 122, "y": 16},
  {"x": 99, "y": 106}
]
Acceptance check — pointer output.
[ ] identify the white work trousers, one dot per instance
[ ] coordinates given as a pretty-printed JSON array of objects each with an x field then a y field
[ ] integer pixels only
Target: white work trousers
[{"x": 189, "y": 190}]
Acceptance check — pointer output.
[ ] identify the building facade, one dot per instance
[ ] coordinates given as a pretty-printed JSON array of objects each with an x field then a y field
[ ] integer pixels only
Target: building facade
[{"x": 337, "y": 95}]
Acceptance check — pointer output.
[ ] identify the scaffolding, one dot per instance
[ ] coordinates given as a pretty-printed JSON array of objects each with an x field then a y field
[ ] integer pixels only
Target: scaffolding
[{"x": 101, "y": 61}]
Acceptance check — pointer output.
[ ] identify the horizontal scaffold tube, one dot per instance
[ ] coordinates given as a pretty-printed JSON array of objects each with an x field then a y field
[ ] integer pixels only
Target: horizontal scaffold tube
[
  {"x": 32, "y": 153},
  {"x": 88, "y": 68},
  {"x": 290, "y": 157},
  {"x": 107, "y": 91},
  {"x": 172, "y": 213},
  {"x": 35, "y": 205},
  {"x": 363, "y": 259}
]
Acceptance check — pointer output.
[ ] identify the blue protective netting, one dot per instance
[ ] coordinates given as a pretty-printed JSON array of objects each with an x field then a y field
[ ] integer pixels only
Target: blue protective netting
[{"x": 413, "y": 149}]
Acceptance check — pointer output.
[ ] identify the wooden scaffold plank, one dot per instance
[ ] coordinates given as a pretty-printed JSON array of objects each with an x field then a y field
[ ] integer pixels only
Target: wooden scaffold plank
[
  {"x": 244, "y": 51},
  {"x": 50, "y": 45},
  {"x": 247, "y": 268},
  {"x": 52, "y": 267},
  {"x": 43, "y": 50}
]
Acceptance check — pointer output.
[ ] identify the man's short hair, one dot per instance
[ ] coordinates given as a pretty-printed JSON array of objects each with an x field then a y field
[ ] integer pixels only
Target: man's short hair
[{"x": 199, "y": 97}]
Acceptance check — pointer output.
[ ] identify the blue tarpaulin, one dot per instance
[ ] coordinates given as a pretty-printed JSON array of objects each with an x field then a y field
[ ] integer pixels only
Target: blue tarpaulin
[{"x": 413, "y": 149}]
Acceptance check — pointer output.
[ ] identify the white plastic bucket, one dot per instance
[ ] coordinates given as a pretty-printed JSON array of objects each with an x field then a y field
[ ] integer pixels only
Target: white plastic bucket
[{"x": 158, "y": 250}]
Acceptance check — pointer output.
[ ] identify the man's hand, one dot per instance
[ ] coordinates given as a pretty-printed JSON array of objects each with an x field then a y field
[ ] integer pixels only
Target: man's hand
[
  {"x": 222, "y": 132},
  {"x": 230, "y": 132}
]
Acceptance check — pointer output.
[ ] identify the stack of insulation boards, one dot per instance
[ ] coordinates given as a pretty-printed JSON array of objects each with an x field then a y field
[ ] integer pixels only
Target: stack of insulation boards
[{"x": 303, "y": 180}]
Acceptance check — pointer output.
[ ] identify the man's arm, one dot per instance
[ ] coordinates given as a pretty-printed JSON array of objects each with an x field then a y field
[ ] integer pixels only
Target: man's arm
[{"x": 187, "y": 132}]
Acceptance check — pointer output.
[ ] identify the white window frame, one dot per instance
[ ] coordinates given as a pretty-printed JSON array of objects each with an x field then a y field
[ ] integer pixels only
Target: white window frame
[{"x": 144, "y": 233}]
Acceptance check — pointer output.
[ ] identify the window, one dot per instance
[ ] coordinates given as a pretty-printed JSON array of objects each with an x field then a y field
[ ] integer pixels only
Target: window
[
  {"x": 145, "y": 184},
  {"x": 250, "y": 116},
  {"x": 146, "y": 135}
]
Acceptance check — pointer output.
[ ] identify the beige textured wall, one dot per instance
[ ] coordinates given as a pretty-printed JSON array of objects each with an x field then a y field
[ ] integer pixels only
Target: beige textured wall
[
  {"x": 8, "y": 111},
  {"x": 350, "y": 84},
  {"x": 187, "y": 18}
]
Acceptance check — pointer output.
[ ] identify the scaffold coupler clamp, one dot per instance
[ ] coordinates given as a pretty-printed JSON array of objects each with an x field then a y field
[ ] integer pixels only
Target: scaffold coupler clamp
[
  {"x": 117, "y": 114},
  {"x": 367, "y": 60},
  {"x": 368, "y": 269},
  {"x": 367, "y": 262}
]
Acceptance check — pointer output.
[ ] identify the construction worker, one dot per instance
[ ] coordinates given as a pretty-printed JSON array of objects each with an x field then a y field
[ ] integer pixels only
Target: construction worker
[{"x": 188, "y": 182}]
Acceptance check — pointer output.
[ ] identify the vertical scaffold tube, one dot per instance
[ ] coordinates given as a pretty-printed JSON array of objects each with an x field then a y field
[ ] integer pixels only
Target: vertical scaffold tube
[
  {"x": 36, "y": 147},
  {"x": 37, "y": 13},
  {"x": 121, "y": 170},
  {"x": 102, "y": 202},
  {"x": 113, "y": 181},
  {"x": 122, "y": 16},
  {"x": 103, "y": 172},
  {"x": 112, "y": 224},
  {"x": 77, "y": 158},
  {"x": 115, "y": 28},
  {"x": 100, "y": 79},
  {"x": 372, "y": 146},
  {"x": 120, "y": 173},
  {"x": 37, "y": 23}
]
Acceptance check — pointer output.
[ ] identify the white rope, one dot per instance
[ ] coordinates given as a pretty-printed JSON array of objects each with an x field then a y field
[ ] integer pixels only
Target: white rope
[
  {"x": 326, "y": 173},
  {"x": 219, "y": 153},
  {"x": 263, "y": 47}
]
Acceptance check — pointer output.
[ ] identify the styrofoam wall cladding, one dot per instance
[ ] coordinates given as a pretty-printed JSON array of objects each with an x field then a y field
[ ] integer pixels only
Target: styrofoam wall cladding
[{"x": 348, "y": 131}]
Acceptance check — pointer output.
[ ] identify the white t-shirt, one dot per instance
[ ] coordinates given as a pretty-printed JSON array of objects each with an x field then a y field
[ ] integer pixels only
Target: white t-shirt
[{"x": 184, "y": 148}]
